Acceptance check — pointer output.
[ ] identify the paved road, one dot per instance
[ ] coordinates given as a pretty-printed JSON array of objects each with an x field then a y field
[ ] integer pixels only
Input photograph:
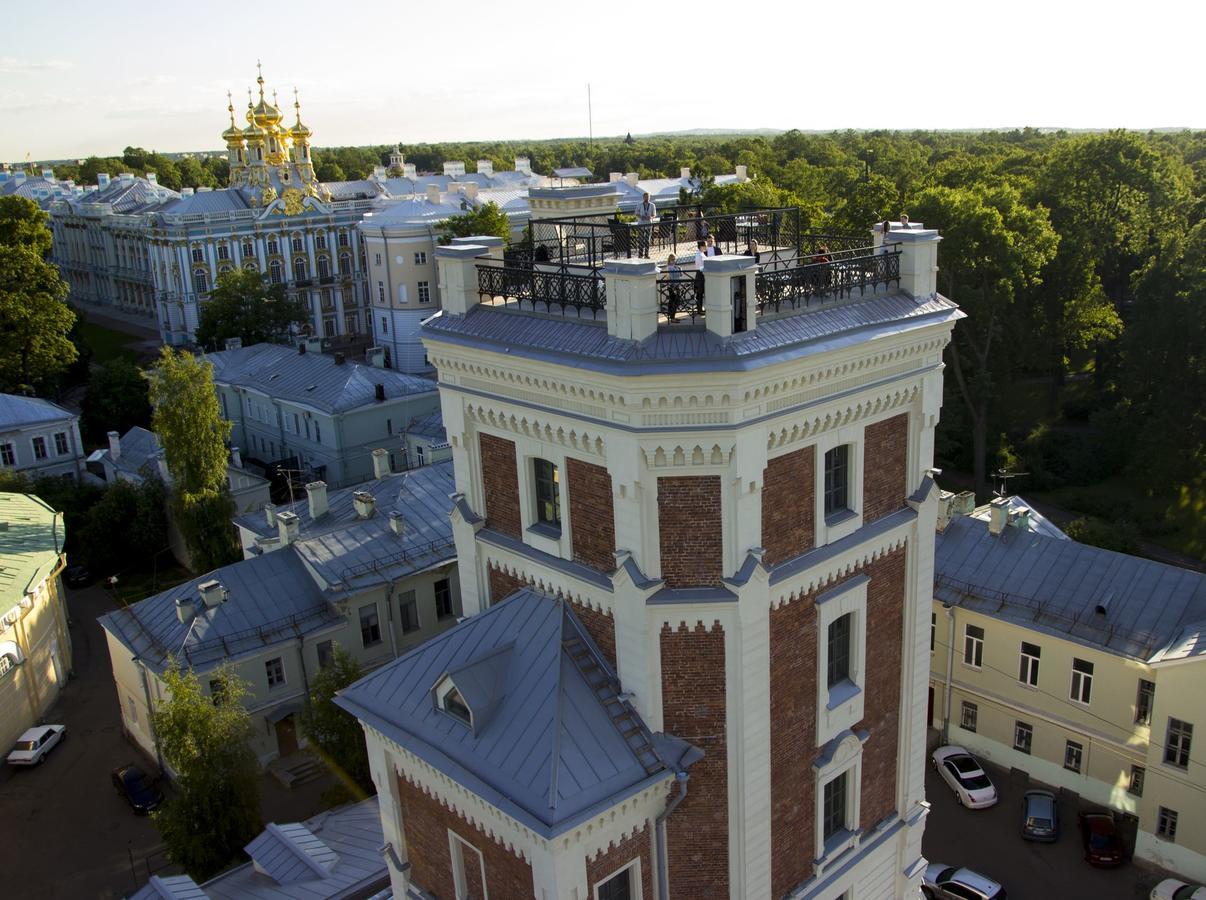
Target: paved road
[{"x": 988, "y": 841}]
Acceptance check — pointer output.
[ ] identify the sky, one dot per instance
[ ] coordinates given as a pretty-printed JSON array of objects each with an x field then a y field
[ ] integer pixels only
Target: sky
[{"x": 95, "y": 78}]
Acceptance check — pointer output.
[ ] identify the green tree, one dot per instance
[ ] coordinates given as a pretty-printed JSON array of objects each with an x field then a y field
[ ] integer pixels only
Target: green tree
[
  {"x": 206, "y": 739},
  {"x": 243, "y": 305},
  {"x": 127, "y": 524},
  {"x": 992, "y": 251},
  {"x": 116, "y": 400},
  {"x": 334, "y": 732},
  {"x": 34, "y": 320},
  {"x": 487, "y": 219},
  {"x": 194, "y": 434},
  {"x": 23, "y": 224}
]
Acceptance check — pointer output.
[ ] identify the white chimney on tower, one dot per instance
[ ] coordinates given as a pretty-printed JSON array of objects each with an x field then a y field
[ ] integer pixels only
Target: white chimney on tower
[
  {"x": 287, "y": 527},
  {"x": 381, "y": 467},
  {"x": 998, "y": 515},
  {"x": 364, "y": 502},
  {"x": 114, "y": 445},
  {"x": 316, "y": 491}
]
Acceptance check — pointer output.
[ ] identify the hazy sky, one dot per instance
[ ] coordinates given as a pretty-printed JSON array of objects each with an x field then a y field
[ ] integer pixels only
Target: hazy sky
[{"x": 95, "y": 77}]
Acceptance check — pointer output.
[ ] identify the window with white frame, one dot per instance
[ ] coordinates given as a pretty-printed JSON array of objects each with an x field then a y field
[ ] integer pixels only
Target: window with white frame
[
  {"x": 968, "y": 716},
  {"x": 449, "y": 699},
  {"x": 297, "y": 245},
  {"x": 1145, "y": 699},
  {"x": 60, "y": 443},
  {"x": 1166, "y": 823},
  {"x": 838, "y": 775},
  {"x": 1073, "y": 756},
  {"x": 1082, "y": 680},
  {"x": 1138, "y": 774},
  {"x": 381, "y": 292},
  {"x": 248, "y": 250},
  {"x": 1028, "y": 668},
  {"x": 933, "y": 630},
  {"x": 1176, "y": 748},
  {"x": 621, "y": 885},
  {"x": 421, "y": 258},
  {"x": 275, "y": 670},
  {"x": 837, "y": 480},
  {"x": 1023, "y": 737},
  {"x": 546, "y": 483},
  {"x": 833, "y": 811},
  {"x": 408, "y": 612},
  {"x": 973, "y": 646},
  {"x": 468, "y": 868},
  {"x": 39, "y": 447},
  {"x": 320, "y": 240},
  {"x": 8, "y": 454},
  {"x": 223, "y": 251},
  {"x": 424, "y": 292},
  {"x": 370, "y": 625},
  {"x": 841, "y": 657}
]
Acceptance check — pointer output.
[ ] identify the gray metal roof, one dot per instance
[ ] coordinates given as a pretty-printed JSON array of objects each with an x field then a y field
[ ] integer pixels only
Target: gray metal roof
[
  {"x": 1058, "y": 585},
  {"x": 139, "y": 447},
  {"x": 550, "y": 756},
  {"x": 313, "y": 379},
  {"x": 130, "y": 195},
  {"x": 353, "y": 190},
  {"x": 587, "y": 344},
  {"x": 353, "y": 552},
  {"x": 429, "y": 426},
  {"x": 269, "y": 598},
  {"x": 345, "y": 845},
  {"x": 18, "y": 412},
  {"x": 172, "y": 887},
  {"x": 224, "y": 200}
]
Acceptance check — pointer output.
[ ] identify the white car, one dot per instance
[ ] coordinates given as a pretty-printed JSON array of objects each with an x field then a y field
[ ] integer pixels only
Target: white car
[
  {"x": 942, "y": 882},
  {"x": 1172, "y": 889},
  {"x": 35, "y": 743},
  {"x": 959, "y": 769}
]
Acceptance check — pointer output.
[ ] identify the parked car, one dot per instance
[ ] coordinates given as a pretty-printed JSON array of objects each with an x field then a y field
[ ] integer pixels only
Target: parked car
[
  {"x": 1103, "y": 847},
  {"x": 959, "y": 769},
  {"x": 32, "y": 746},
  {"x": 1173, "y": 889},
  {"x": 136, "y": 788},
  {"x": 941, "y": 882},
  {"x": 77, "y": 576},
  {"x": 1040, "y": 816}
]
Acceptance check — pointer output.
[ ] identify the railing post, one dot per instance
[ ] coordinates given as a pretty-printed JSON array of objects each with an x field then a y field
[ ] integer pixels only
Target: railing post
[
  {"x": 457, "y": 268},
  {"x": 631, "y": 286},
  {"x": 730, "y": 280},
  {"x": 918, "y": 260}
]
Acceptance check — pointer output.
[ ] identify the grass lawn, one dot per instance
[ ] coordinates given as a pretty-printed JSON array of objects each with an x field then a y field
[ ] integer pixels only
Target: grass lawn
[{"x": 107, "y": 344}]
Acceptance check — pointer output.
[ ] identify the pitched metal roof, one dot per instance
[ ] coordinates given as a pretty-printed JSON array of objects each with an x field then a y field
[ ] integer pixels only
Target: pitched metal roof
[
  {"x": 353, "y": 552},
  {"x": 172, "y": 887},
  {"x": 18, "y": 412},
  {"x": 139, "y": 447},
  {"x": 31, "y": 541},
  {"x": 551, "y": 755},
  {"x": 314, "y": 379},
  {"x": 353, "y": 190},
  {"x": 429, "y": 426},
  {"x": 223, "y": 200},
  {"x": 1115, "y": 602},
  {"x": 130, "y": 195},
  {"x": 345, "y": 845},
  {"x": 269, "y": 598},
  {"x": 587, "y": 344}
]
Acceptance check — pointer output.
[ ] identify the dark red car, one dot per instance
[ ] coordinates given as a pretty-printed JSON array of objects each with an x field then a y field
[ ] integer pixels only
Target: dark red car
[{"x": 1103, "y": 847}]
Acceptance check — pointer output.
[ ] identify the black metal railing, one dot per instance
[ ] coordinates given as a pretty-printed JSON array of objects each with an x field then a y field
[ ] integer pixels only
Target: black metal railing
[
  {"x": 679, "y": 296},
  {"x": 560, "y": 288},
  {"x": 384, "y": 563},
  {"x": 836, "y": 275}
]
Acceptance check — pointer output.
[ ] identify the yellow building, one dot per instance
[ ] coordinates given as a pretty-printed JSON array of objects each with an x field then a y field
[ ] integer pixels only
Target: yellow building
[
  {"x": 35, "y": 648},
  {"x": 1078, "y": 666}
]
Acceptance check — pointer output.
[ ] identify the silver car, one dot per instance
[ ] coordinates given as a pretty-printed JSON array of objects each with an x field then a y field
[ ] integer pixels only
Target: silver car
[
  {"x": 942, "y": 882},
  {"x": 959, "y": 769},
  {"x": 32, "y": 746}
]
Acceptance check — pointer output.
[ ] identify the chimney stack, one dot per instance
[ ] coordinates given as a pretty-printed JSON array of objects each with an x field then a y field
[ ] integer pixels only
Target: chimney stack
[
  {"x": 632, "y": 178},
  {"x": 212, "y": 593},
  {"x": 114, "y": 445},
  {"x": 340, "y": 359},
  {"x": 364, "y": 502},
  {"x": 485, "y": 167},
  {"x": 742, "y": 177},
  {"x": 270, "y": 515},
  {"x": 185, "y": 610},
  {"x": 380, "y": 462},
  {"x": 408, "y": 171},
  {"x": 233, "y": 343},
  {"x": 454, "y": 169},
  {"x": 287, "y": 527},
  {"x": 396, "y": 523},
  {"x": 153, "y": 178},
  {"x": 316, "y": 492},
  {"x": 102, "y": 180},
  {"x": 523, "y": 164},
  {"x": 236, "y": 458},
  {"x": 433, "y": 193},
  {"x": 684, "y": 173},
  {"x": 998, "y": 515}
]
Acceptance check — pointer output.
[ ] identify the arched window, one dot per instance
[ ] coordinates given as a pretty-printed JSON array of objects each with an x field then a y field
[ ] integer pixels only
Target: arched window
[
  {"x": 299, "y": 270},
  {"x": 298, "y": 246},
  {"x": 324, "y": 267},
  {"x": 320, "y": 240},
  {"x": 345, "y": 264},
  {"x": 201, "y": 281},
  {"x": 273, "y": 247},
  {"x": 248, "y": 250},
  {"x": 259, "y": 153},
  {"x": 198, "y": 255},
  {"x": 275, "y": 271}
]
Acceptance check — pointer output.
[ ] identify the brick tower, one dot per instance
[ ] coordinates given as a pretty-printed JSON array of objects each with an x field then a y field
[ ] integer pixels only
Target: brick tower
[{"x": 696, "y": 560}]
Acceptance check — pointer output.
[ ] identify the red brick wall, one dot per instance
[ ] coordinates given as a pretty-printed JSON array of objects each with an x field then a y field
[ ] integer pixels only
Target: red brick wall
[
  {"x": 601, "y": 626},
  {"x": 592, "y": 522},
  {"x": 885, "y": 459},
  {"x": 688, "y": 511},
  {"x": 500, "y": 484},
  {"x": 502, "y": 584},
  {"x": 619, "y": 855},
  {"x": 425, "y": 823},
  {"x": 793, "y": 673},
  {"x": 693, "y": 700},
  {"x": 789, "y": 505}
]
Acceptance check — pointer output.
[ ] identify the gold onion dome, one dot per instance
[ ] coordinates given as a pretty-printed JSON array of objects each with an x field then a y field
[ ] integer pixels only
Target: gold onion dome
[
  {"x": 234, "y": 133},
  {"x": 299, "y": 130},
  {"x": 253, "y": 130},
  {"x": 266, "y": 114}
]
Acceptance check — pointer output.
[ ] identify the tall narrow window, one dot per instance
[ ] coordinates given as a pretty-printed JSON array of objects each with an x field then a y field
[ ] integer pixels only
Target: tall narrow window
[
  {"x": 970, "y": 713},
  {"x": 833, "y": 813},
  {"x": 299, "y": 270},
  {"x": 274, "y": 271},
  {"x": 973, "y": 645},
  {"x": 326, "y": 653},
  {"x": 8, "y": 455},
  {"x": 370, "y": 625},
  {"x": 548, "y": 505},
  {"x": 424, "y": 292},
  {"x": 618, "y": 886},
  {"x": 839, "y": 650},
  {"x": 1082, "y": 680},
  {"x": 39, "y": 447},
  {"x": 60, "y": 443},
  {"x": 1023, "y": 736},
  {"x": 933, "y": 630},
  {"x": 1166, "y": 823},
  {"x": 1176, "y": 748},
  {"x": 1028, "y": 670},
  {"x": 1073, "y": 756},
  {"x": 275, "y": 670},
  {"x": 837, "y": 479},
  {"x": 408, "y": 612},
  {"x": 443, "y": 598},
  {"x": 1145, "y": 699},
  {"x": 1138, "y": 774}
]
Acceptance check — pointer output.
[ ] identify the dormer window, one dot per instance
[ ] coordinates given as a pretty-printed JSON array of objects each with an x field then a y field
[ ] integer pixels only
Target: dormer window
[{"x": 448, "y": 699}]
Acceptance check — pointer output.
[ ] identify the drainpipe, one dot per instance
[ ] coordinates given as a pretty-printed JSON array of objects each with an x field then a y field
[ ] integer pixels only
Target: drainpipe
[
  {"x": 146, "y": 689},
  {"x": 659, "y": 832},
  {"x": 389, "y": 615},
  {"x": 950, "y": 665}
]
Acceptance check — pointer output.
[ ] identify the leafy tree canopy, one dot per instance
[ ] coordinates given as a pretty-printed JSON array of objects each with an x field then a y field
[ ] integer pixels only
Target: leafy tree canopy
[
  {"x": 116, "y": 400},
  {"x": 243, "y": 305},
  {"x": 24, "y": 224},
  {"x": 333, "y": 731},
  {"x": 34, "y": 320},
  {"x": 487, "y": 219}
]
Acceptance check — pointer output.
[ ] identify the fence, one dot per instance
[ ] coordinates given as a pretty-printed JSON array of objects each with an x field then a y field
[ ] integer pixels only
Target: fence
[{"x": 836, "y": 275}]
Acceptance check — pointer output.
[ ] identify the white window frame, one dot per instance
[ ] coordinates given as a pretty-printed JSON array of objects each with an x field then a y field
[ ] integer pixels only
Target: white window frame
[
  {"x": 420, "y": 257},
  {"x": 979, "y": 641},
  {"x": 34, "y": 443},
  {"x": 534, "y": 535},
  {"x": 1077, "y": 748},
  {"x": 8, "y": 449},
  {"x": 456, "y": 847},
  {"x": 842, "y": 524},
  {"x": 1029, "y": 665},
  {"x": 1018, "y": 727},
  {"x": 424, "y": 291},
  {"x": 1081, "y": 683},
  {"x": 633, "y": 868},
  {"x": 1165, "y": 817},
  {"x": 847, "y": 757},
  {"x": 284, "y": 679},
  {"x": 964, "y": 707},
  {"x": 66, "y": 448},
  {"x": 842, "y": 708}
]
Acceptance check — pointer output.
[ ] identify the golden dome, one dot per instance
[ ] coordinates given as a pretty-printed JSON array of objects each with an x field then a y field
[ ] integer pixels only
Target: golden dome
[
  {"x": 266, "y": 114},
  {"x": 253, "y": 131},
  {"x": 233, "y": 134},
  {"x": 299, "y": 131}
]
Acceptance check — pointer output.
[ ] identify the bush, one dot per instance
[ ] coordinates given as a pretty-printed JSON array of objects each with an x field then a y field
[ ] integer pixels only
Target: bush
[{"x": 1121, "y": 536}]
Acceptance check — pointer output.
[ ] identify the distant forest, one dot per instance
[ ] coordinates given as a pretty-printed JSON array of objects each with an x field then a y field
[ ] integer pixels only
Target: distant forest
[{"x": 1079, "y": 258}]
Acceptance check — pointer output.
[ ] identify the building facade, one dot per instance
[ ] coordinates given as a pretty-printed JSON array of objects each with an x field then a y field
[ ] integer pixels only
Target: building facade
[
  {"x": 719, "y": 534},
  {"x": 35, "y": 645},
  {"x": 39, "y": 438},
  {"x": 1077, "y": 666}
]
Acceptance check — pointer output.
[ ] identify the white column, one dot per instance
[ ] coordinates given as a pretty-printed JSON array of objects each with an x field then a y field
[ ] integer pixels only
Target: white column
[
  {"x": 631, "y": 286},
  {"x": 457, "y": 272},
  {"x": 918, "y": 261},
  {"x": 719, "y": 272}
]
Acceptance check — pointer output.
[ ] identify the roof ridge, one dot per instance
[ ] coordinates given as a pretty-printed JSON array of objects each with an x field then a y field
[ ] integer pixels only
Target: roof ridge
[{"x": 278, "y": 832}]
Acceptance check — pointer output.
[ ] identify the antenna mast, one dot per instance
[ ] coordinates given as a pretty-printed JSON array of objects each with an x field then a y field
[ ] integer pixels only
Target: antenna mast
[{"x": 590, "y": 118}]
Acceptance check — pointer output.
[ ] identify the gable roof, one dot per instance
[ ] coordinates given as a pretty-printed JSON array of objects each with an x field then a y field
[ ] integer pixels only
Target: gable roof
[
  {"x": 31, "y": 541},
  {"x": 551, "y": 754},
  {"x": 313, "y": 379},
  {"x": 1057, "y": 585},
  {"x": 172, "y": 887},
  {"x": 289, "y": 853},
  {"x": 19, "y": 412}
]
